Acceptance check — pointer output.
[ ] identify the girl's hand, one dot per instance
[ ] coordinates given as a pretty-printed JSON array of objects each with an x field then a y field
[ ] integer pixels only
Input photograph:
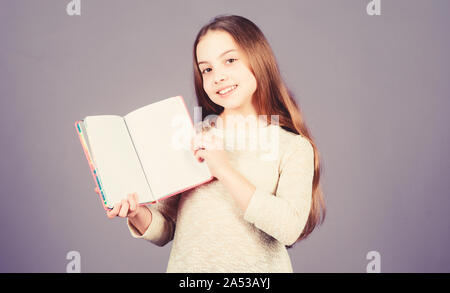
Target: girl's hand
[
  {"x": 127, "y": 208},
  {"x": 209, "y": 147}
]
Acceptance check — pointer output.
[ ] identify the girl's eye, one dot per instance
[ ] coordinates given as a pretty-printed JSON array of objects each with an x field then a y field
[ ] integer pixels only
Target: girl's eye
[
  {"x": 203, "y": 71},
  {"x": 233, "y": 60}
]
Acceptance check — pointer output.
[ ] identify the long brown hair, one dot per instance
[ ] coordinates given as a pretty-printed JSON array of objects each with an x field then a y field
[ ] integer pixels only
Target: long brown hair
[{"x": 271, "y": 97}]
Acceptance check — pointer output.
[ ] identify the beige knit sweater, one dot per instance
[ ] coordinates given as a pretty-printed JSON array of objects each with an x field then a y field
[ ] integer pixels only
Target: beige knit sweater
[{"x": 211, "y": 233}]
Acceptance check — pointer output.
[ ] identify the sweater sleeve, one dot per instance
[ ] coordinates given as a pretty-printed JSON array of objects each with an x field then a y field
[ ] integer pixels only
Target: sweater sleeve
[
  {"x": 283, "y": 215},
  {"x": 162, "y": 227}
]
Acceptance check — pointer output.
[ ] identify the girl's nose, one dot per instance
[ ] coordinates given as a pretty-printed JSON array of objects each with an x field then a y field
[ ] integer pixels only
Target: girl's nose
[{"x": 220, "y": 77}]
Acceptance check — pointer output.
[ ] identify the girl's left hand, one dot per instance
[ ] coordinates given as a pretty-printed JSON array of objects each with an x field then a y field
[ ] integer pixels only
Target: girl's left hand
[{"x": 209, "y": 147}]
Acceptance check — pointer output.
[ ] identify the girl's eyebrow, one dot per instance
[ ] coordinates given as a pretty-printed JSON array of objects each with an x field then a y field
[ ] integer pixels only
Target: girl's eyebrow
[{"x": 219, "y": 55}]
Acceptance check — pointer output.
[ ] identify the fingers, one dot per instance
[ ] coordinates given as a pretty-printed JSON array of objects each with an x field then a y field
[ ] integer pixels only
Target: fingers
[
  {"x": 114, "y": 212},
  {"x": 136, "y": 200},
  {"x": 196, "y": 143},
  {"x": 202, "y": 141},
  {"x": 125, "y": 208},
  {"x": 132, "y": 201},
  {"x": 200, "y": 155}
]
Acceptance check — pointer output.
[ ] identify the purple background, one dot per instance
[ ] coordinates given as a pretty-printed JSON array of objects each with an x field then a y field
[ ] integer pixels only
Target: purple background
[{"x": 374, "y": 91}]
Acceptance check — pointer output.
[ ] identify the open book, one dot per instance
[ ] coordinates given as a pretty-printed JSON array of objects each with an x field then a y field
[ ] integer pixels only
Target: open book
[{"x": 147, "y": 151}]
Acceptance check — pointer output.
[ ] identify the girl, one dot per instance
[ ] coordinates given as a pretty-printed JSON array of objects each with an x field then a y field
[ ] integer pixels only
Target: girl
[{"x": 244, "y": 220}]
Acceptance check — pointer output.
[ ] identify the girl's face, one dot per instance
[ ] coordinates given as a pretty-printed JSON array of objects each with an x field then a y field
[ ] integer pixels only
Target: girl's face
[{"x": 223, "y": 65}]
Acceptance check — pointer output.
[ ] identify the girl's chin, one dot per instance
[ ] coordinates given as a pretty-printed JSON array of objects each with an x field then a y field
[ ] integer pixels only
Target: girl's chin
[{"x": 231, "y": 102}]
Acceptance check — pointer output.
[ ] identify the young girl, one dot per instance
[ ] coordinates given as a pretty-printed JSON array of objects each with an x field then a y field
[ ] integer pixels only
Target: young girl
[{"x": 244, "y": 219}]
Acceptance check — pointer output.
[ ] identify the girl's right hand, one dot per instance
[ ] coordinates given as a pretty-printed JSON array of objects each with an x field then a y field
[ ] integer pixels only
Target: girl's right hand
[{"x": 127, "y": 208}]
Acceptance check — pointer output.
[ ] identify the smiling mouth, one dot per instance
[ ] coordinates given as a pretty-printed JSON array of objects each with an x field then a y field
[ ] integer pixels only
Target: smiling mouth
[{"x": 227, "y": 90}]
